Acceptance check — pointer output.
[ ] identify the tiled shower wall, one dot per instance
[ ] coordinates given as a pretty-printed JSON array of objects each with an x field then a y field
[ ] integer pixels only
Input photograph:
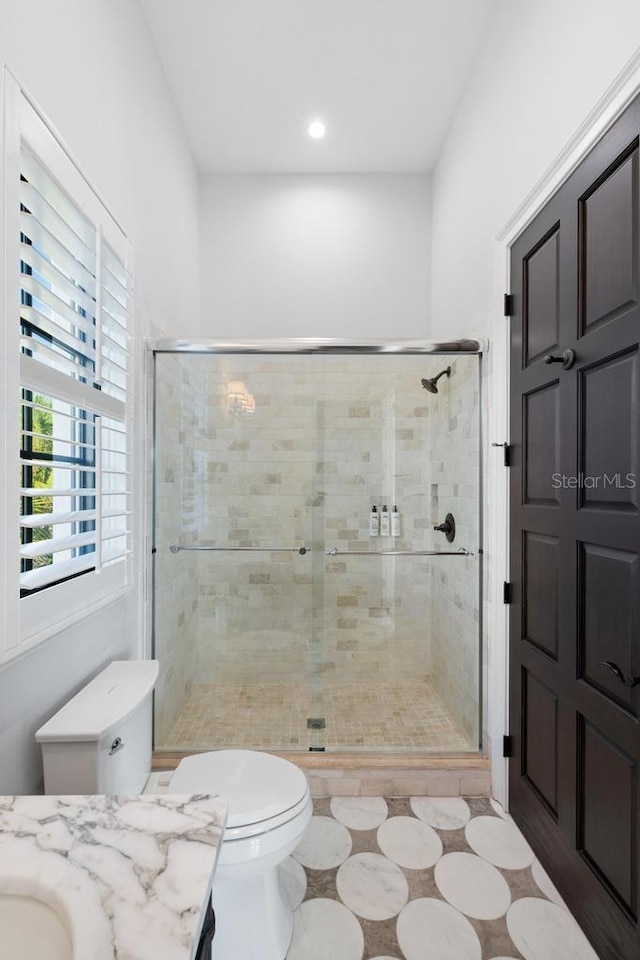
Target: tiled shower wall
[
  {"x": 377, "y": 426},
  {"x": 454, "y": 588},
  {"x": 179, "y": 426},
  {"x": 329, "y": 437},
  {"x": 257, "y": 490}
]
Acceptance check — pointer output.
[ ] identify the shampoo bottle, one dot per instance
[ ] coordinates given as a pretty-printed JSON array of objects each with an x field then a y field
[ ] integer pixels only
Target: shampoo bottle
[
  {"x": 395, "y": 523},
  {"x": 374, "y": 522},
  {"x": 385, "y": 525}
]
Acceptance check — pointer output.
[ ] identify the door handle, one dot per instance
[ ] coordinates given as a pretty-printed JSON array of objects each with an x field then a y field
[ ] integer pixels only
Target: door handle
[
  {"x": 619, "y": 675},
  {"x": 567, "y": 359}
]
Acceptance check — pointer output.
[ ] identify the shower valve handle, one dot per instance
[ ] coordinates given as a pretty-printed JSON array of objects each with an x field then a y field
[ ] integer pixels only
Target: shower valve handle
[
  {"x": 443, "y": 527},
  {"x": 448, "y": 527}
]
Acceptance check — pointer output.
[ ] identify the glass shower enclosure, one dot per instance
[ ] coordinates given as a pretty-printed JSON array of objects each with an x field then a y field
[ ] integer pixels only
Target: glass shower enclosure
[{"x": 284, "y": 619}]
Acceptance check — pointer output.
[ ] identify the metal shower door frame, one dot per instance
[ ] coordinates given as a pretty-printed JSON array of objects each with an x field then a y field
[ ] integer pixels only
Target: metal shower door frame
[{"x": 328, "y": 347}]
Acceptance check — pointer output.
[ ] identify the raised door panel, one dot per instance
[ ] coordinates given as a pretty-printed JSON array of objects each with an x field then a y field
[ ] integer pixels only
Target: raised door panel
[
  {"x": 609, "y": 629},
  {"x": 540, "y": 570},
  {"x": 541, "y": 442},
  {"x": 608, "y": 433},
  {"x": 541, "y": 297},
  {"x": 540, "y": 740},
  {"x": 607, "y": 805},
  {"x": 608, "y": 237}
]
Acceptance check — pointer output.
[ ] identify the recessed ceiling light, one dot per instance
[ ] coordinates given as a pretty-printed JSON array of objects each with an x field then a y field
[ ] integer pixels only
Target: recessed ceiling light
[{"x": 316, "y": 129}]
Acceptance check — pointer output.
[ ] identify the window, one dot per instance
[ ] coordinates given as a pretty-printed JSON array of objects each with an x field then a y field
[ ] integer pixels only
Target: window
[{"x": 73, "y": 300}]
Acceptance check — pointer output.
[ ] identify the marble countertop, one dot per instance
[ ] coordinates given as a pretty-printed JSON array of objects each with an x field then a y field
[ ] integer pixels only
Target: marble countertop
[{"x": 131, "y": 876}]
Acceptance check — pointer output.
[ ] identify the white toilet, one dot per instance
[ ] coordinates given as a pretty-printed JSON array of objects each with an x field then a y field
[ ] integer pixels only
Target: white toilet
[{"x": 100, "y": 742}]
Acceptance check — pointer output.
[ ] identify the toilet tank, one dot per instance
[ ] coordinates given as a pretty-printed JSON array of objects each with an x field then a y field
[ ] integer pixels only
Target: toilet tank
[{"x": 101, "y": 740}]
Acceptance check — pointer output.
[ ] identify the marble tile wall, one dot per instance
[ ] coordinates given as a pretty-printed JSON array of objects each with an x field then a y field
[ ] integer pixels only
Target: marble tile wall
[
  {"x": 454, "y": 454},
  {"x": 179, "y": 417},
  {"x": 376, "y": 426},
  {"x": 256, "y": 485},
  {"x": 326, "y": 442}
]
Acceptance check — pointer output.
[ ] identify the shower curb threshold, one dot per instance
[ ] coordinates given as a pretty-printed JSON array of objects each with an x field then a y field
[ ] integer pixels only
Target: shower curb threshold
[{"x": 374, "y": 775}]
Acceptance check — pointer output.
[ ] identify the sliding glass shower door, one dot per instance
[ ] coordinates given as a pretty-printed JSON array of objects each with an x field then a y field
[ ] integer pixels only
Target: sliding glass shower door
[{"x": 280, "y": 621}]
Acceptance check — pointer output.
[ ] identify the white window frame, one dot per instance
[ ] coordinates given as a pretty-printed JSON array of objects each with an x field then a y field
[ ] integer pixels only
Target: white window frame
[{"x": 40, "y": 615}]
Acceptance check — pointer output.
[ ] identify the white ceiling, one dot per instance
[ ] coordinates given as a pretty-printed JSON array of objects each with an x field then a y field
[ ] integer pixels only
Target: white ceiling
[{"x": 248, "y": 75}]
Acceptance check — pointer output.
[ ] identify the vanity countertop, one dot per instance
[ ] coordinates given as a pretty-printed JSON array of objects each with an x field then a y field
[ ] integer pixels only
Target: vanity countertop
[{"x": 130, "y": 875}]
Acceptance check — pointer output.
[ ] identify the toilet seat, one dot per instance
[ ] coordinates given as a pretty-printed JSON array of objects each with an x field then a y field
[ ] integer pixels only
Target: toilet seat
[{"x": 262, "y": 791}]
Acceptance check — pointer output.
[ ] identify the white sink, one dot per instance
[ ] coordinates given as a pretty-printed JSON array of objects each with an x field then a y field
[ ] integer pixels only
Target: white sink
[{"x": 30, "y": 928}]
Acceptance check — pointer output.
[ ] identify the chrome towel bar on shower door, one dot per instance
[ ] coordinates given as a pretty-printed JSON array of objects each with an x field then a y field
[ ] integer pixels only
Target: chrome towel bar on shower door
[
  {"x": 176, "y": 548},
  {"x": 334, "y": 552}
]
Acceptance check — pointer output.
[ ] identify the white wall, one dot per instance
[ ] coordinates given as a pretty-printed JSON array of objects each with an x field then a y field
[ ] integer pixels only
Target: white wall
[
  {"x": 36, "y": 685},
  {"x": 543, "y": 67},
  {"x": 91, "y": 67},
  {"x": 315, "y": 256}
]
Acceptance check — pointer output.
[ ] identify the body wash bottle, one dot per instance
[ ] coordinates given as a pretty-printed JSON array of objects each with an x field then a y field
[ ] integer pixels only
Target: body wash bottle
[
  {"x": 385, "y": 525},
  {"x": 374, "y": 522},
  {"x": 395, "y": 523}
]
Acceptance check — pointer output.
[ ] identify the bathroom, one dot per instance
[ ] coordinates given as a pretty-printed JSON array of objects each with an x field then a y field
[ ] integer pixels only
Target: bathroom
[{"x": 295, "y": 240}]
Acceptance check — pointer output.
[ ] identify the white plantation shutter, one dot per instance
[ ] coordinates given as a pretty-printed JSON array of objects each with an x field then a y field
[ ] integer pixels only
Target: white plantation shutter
[{"x": 74, "y": 318}]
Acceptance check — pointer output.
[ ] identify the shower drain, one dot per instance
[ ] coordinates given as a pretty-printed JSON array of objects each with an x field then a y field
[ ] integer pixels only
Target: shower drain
[{"x": 315, "y": 723}]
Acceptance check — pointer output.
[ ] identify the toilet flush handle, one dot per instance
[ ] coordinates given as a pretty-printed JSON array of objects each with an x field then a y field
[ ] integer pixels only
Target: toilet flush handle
[{"x": 117, "y": 744}]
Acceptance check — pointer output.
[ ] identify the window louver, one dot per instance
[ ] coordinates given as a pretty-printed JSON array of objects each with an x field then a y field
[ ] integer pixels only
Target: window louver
[{"x": 74, "y": 458}]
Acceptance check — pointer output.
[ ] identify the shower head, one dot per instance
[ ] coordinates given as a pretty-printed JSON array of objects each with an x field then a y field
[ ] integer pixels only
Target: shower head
[{"x": 432, "y": 384}]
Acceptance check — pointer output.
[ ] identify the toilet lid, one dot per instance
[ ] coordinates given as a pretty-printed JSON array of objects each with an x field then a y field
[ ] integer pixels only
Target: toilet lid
[{"x": 255, "y": 785}]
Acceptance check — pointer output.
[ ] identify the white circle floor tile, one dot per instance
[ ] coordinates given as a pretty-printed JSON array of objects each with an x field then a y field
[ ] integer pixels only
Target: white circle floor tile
[
  {"x": 544, "y": 884},
  {"x": 360, "y": 813},
  {"x": 325, "y": 930},
  {"x": 443, "y": 813},
  {"x": 498, "y": 841},
  {"x": 409, "y": 842},
  {"x": 293, "y": 881},
  {"x": 545, "y": 931},
  {"x": 432, "y": 930},
  {"x": 325, "y": 844},
  {"x": 500, "y": 810},
  {"x": 473, "y": 886},
  {"x": 372, "y": 886}
]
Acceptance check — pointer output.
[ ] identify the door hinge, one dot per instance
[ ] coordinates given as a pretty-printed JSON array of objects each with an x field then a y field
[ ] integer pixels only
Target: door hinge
[
  {"x": 506, "y": 452},
  {"x": 508, "y": 304},
  {"x": 507, "y": 592},
  {"x": 507, "y": 746}
]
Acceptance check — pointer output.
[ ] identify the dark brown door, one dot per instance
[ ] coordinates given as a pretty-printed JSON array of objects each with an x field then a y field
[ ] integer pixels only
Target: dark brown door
[{"x": 575, "y": 539}]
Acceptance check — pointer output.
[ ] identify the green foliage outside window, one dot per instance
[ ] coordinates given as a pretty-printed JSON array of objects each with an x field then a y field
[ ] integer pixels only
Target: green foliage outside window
[{"x": 42, "y": 476}]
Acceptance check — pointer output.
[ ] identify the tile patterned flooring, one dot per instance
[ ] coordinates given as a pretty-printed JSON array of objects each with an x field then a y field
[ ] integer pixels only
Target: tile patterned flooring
[
  {"x": 273, "y": 716},
  {"x": 420, "y": 878},
  {"x": 425, "y": 878}
]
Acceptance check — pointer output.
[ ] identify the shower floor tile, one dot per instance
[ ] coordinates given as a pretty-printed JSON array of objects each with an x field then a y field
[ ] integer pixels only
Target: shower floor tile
[
  {"x": 273, "y": 716},
  {"x": 406, "y": 879}
]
